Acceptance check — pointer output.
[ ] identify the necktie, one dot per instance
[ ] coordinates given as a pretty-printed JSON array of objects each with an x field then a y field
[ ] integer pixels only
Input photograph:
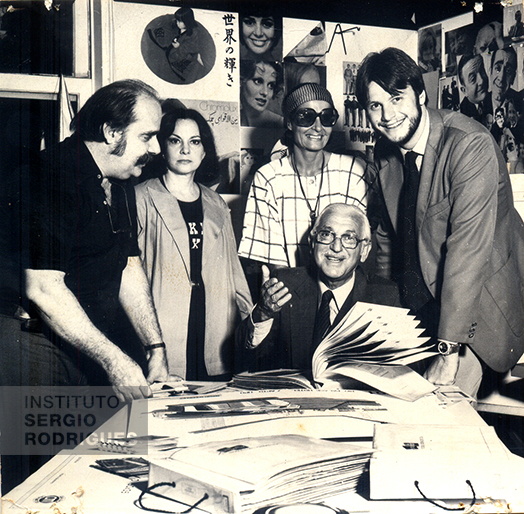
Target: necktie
[
  {"x": 414, "y": 290},
  {"x": 322, "y": 320}
]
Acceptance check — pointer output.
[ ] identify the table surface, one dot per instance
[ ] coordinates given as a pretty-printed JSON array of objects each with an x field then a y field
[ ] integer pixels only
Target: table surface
[{"x": 70, "y": 478}]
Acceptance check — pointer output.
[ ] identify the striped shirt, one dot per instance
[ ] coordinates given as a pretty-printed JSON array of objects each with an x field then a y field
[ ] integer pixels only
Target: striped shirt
[{"x": 277, "y": 218}]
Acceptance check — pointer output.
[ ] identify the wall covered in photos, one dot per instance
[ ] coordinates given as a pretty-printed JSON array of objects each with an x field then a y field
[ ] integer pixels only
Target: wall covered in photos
[
  {"x": 235, "y": 68},
  {"x": 479, "y": 67}
]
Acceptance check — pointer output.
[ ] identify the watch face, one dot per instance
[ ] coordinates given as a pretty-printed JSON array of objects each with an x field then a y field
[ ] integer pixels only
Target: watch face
[
  {"x": 443, "y": 348},
  {"x": 447, "y": 348}
]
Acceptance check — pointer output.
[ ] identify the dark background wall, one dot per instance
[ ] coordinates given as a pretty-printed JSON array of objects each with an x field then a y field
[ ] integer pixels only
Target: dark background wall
[{"x": 385, "y": 13}]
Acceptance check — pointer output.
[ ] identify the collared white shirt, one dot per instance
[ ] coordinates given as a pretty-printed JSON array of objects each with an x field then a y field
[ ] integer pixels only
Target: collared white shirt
[
  {"x": 420, "y": 146},
  {"x": 340, "y": 295}
]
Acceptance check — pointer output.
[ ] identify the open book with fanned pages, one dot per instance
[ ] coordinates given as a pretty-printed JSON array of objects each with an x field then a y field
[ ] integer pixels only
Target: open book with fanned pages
[{"x": 372, "y": 345}]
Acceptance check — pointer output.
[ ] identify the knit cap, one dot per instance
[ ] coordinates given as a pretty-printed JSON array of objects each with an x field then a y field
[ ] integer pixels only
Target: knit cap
[{"x": 305, "y": 93}]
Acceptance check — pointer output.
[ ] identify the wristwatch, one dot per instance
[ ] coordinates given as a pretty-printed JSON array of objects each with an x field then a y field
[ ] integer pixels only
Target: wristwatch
[{"x": 447, "y": 348}]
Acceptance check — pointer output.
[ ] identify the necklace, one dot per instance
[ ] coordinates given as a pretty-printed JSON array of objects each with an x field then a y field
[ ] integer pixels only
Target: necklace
[{"x": 312, "y": 211}]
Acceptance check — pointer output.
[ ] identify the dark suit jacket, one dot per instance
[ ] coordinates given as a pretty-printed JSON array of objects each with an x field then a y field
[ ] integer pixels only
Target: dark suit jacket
[
  {"x": 470, "y": 237},
  {"x": 288, "y": 345}
]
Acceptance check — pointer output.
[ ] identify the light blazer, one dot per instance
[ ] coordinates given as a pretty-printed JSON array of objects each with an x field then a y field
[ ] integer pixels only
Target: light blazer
[
  {"x": 470, "y": 237},
  {"x": 164, "y": 245},
  {"x": 288, "y": 345}
]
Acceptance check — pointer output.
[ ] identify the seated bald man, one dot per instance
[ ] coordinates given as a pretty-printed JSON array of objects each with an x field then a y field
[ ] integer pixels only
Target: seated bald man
[{"x": 283, "y": 329}]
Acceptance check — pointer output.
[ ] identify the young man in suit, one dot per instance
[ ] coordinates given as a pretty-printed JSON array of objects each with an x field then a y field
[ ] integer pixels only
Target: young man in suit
[
  {"x": 449, "y": 229},
  {"x": 284, "y": 327}
]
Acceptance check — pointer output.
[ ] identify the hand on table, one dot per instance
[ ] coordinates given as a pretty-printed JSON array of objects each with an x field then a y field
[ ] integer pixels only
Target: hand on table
[
  {"x": 157, "y": 366},
  {"x": 127, "y": 379}
]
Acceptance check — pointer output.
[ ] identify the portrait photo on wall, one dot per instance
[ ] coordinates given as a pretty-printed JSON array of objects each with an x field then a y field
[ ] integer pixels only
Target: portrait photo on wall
[
  {"x": 488, "y": 35},
  {"x": 512, "y": 22},
  {"x": 296, "y": 73},
  {"x": 490, "y": 81},
  {"x": 458, "y": 42},
  {"x": 180, "y": 51},
  {"x": 250, "y": 160},
  {"x": 520, "y": 67},
  {"x": 354, "y": 119},
  {"x": 449, "y": 93},
  {"x": 261, "y": 86},
  {"x": 429, "y": 48},
  {"x": 178, "y": 48},
  {"x": 260, "y": 33},
  {"x": 474, "y": 87}
]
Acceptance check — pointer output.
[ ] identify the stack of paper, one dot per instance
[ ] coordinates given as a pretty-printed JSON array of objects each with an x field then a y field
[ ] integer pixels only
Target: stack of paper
[
  {"x": 273, "y": 379},
  {"x": 438, "y": 461},
  {"x": 243, "y": 475},
  {"x": 146, "y": 444}
]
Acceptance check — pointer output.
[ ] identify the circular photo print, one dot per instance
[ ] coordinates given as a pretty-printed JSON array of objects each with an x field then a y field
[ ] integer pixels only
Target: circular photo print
[{"x": 177, "y": 48}]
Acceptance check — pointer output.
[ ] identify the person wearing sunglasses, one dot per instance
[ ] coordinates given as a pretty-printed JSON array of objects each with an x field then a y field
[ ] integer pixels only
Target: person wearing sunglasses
[
  {"x": 285, "y": 326},
  {"x": 287, "y": 194}
]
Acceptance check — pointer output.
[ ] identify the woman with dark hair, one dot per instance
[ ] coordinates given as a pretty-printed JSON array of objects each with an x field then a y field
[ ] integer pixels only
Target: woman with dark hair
[
  {"x": 260, "y": 33},
  {"x": 260, "y": 82},
  {"x": 188, "y": 250},
  {"x": 184, "y": 51}
]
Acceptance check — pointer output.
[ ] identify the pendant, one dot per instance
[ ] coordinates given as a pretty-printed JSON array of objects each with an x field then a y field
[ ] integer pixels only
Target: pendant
[{"x": 312, "y": 217}]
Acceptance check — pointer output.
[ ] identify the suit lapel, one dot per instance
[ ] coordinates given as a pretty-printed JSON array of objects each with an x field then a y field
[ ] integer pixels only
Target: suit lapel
[
  {"x": 302, "y": 314},
  {"x": 214, "y": 219},
  {"x": 391, "y": 177},
  {"x": 427, "y": 172},
  {"x": 168, "y": 209}
]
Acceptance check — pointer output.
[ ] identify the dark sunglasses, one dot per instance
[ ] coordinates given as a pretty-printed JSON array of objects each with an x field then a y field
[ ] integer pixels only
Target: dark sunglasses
[{"x": 306, "y": 117}]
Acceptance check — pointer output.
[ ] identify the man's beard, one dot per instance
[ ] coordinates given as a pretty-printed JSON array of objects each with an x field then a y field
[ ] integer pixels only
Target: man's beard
[
  {"x": 401, "y": 140},
  {"x": 120, "y": 147},
  {"x": 413, "y": 126},
  {"x": 120, "y": 150}
]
